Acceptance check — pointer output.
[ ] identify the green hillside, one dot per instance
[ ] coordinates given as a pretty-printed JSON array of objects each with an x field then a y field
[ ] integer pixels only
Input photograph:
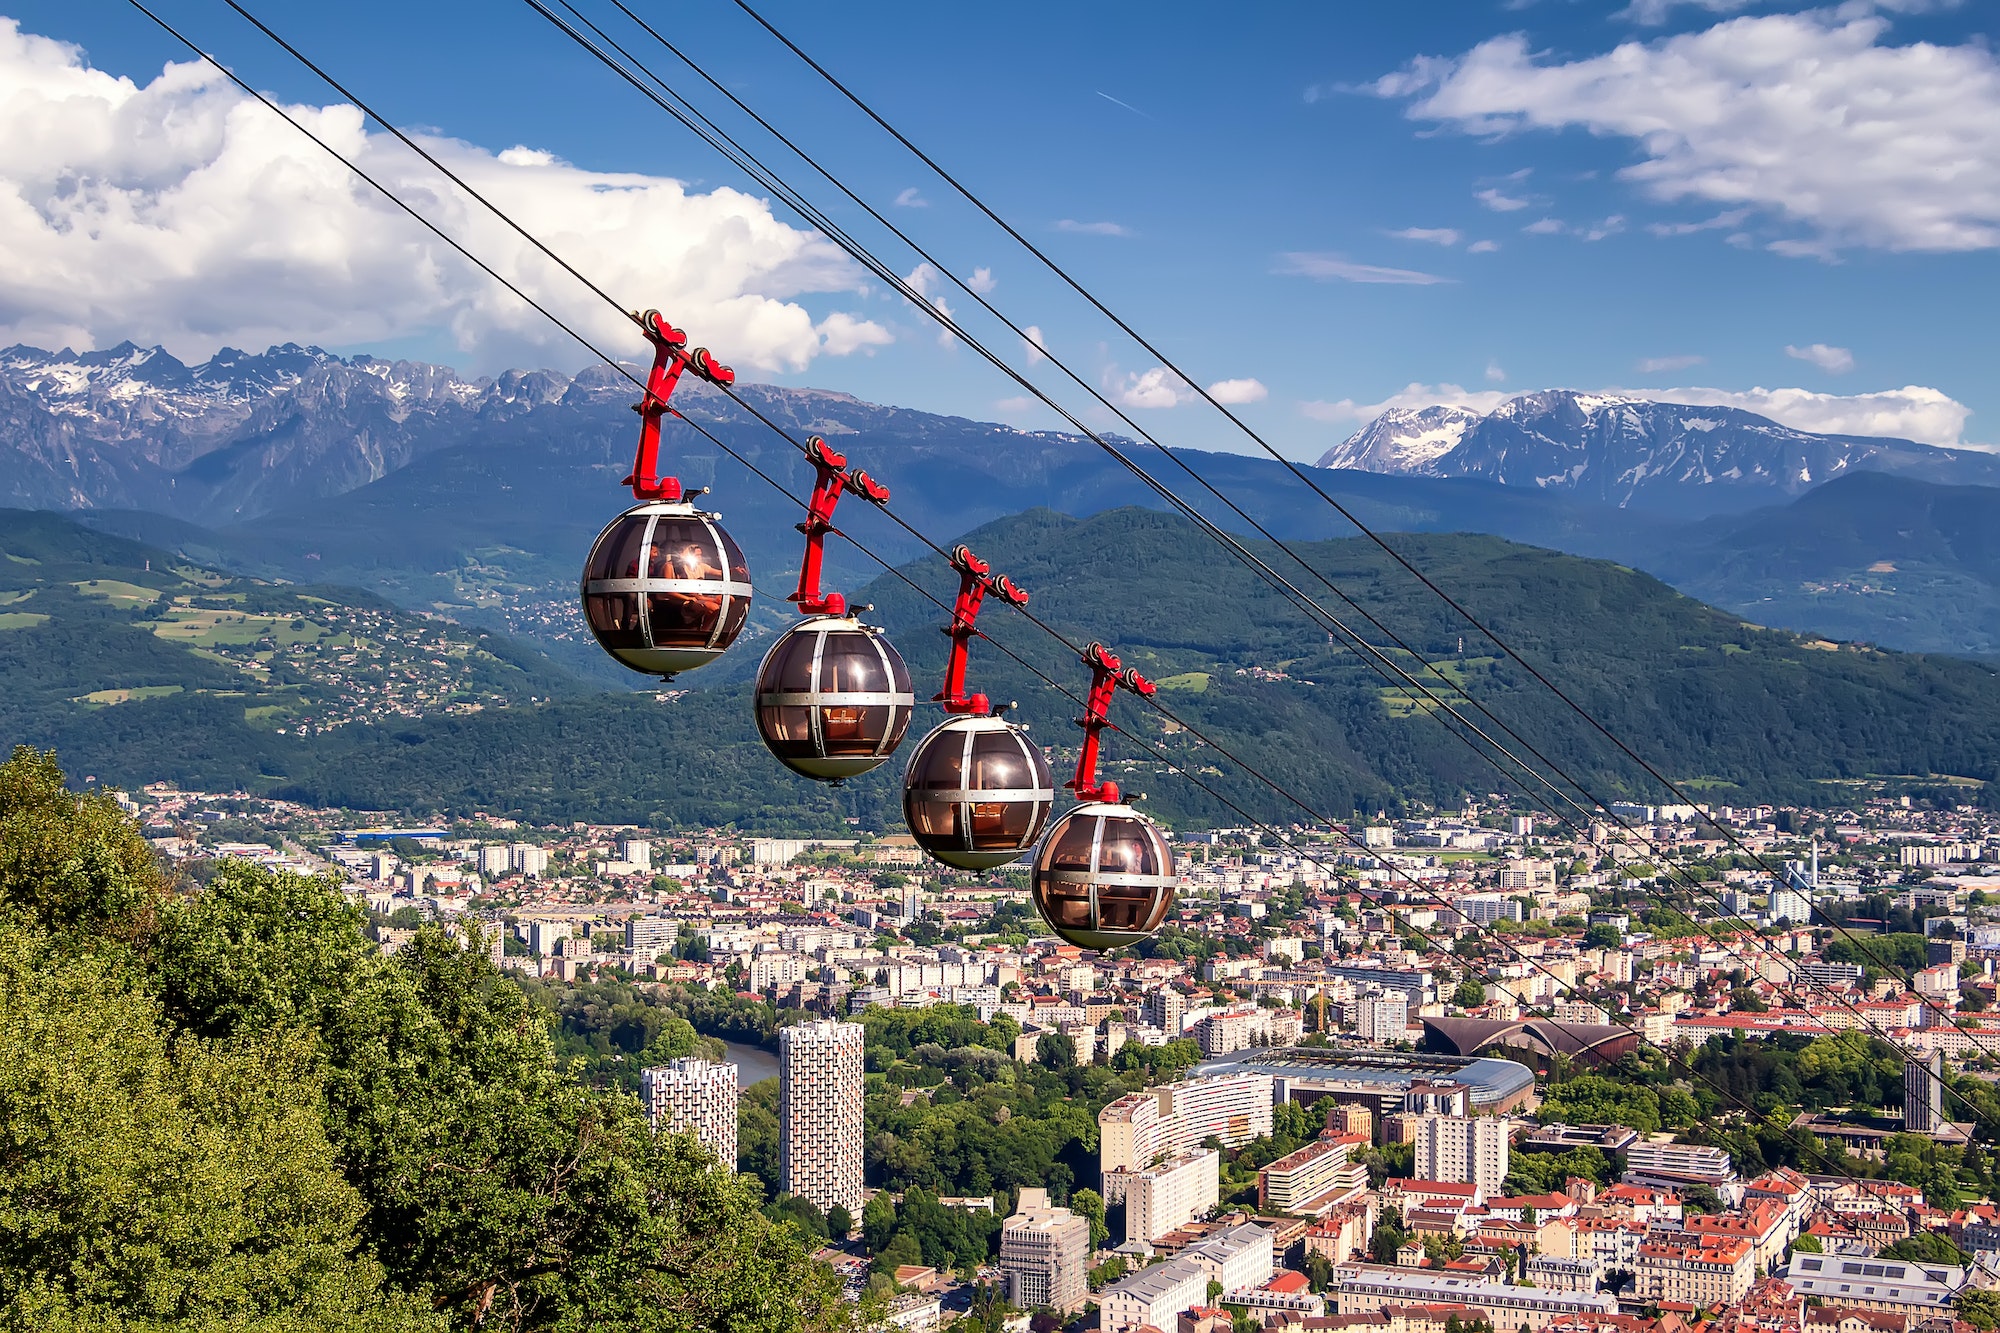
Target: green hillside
[
  {"x": 1744, "y": 712},
  {"x": 134, "y": 659}
]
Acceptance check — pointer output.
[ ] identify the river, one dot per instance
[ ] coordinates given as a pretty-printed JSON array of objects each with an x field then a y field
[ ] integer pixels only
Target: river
[{"x": 753, "y": 1064}]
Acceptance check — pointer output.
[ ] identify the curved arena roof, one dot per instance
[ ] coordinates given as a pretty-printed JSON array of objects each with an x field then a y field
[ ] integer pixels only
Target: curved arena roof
[{"x": 1315, "y": 1069}]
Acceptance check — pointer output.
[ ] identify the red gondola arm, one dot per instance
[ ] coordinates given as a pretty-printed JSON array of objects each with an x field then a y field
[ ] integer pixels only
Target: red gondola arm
[
  {"x": 670, "y": 358},
  {"x": 1107, "y": 674},
  {"x": 832, "y": 477},
  {"x": 975, "y": 580}
]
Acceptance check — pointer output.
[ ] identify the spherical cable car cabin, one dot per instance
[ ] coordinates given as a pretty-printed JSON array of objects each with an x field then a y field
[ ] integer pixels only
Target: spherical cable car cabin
[
  {"x": 977, "y": 792},
  {"x": 1105, "y": 876},
  {"x": 665, "y": 589},
  {"x": 833, "y": 695}
]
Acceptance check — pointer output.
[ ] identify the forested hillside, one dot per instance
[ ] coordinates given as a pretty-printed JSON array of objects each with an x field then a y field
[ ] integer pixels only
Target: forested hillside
[
  {"x": 227, "y": 1110},
  {"x": 1741, "y": 712}
]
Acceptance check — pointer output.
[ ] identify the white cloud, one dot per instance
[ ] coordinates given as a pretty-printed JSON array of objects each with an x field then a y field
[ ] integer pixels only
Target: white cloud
[
  {"x": 1434, "y": 235},
  {"x": 1914, "y": 412},
  {"x": 1411, "y": 395},
  {"x": 1494, "y": 374},
  {"x": 184, "y": 212},
  {"x": 911, "y": 199},
  {"x": 922, "y": 278},
  {"x": 1016, "y": 405},
  {"x": 1659, "y": 365},
  {"x": 1037, "y": 349},
  {"x": 1158, "y": 387},
  {"x": 1652, "y": 13},
  {"x": 1545, "y": 227},
  {"x": 1833, "y": 360},
  {"x": 1233, "y": 392},
  {"x": 1308, "y": 265},
  {"x": 982, "y": 281},
  {"x": 1500, "y": 202},
  {"x": 1482, "y": 247},
  {"x": 1809, "y": 117},
  {"x": 1093, "y": 228}
]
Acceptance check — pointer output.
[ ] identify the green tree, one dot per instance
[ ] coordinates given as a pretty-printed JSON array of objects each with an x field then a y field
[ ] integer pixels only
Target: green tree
[
  {"x": 878, "y": 1221},
  {"x": 1604, "y": 935},
  {"x": 1056, "y": 1050},
  {"x": 839, "y": 1221},
  {"x": 1090, "y": 1204},
  {"x": 1469, "y": 993}
]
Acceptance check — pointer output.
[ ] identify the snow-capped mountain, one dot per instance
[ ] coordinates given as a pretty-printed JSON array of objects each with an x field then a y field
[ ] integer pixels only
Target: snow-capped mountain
[
  {"x": 241, "y": 433},
  {"x": 1630, "y": 451}
]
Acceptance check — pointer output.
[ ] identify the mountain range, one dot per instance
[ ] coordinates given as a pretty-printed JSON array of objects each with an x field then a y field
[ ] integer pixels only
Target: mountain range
[
  {"x": 474, "y": 498},
  {"x": 1630, "y": 452}
]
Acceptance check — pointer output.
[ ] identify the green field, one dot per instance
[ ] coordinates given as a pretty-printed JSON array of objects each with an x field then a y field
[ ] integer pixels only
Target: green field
[
  {"x": 107, "y": 698},
  {"x": 117, "y": 592},
  {"x": 209, "y": 626},
  {"x": 20, "y": 619}
]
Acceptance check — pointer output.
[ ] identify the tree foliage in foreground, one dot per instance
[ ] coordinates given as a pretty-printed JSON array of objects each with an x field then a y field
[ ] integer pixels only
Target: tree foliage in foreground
[{"x": 223, "y": 1108}]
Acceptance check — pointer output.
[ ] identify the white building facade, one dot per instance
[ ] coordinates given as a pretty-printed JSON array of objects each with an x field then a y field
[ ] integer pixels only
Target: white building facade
[{"x": 820, "y": 1080}]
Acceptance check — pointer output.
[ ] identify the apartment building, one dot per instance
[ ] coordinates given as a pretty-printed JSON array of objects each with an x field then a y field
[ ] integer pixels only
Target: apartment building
[
  {"x": 694, "y": 1096},
  {"x": 1366, "y": 1288},
  {"x": 1702, "y": 1271},
  {"x": 1138, "y": 1128},
  {"x": 1045, "y": 1253},
  {"x": 1168, "y": 1194},
  {"x": 1466, "y": 1149},
  {"x": 1153, "y": 1297},
  {"x": 1315, "y": 1178},
  {"x": 820, "y": 1070}
]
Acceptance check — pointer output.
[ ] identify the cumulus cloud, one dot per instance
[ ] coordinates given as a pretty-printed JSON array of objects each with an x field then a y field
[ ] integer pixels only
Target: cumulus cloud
[
  {"x": 1232, "y": 392},
  {"x": 1652, "y": 13},
  {"x": 1661, "y": 365},
  {"x": 1833, "y": 360},
  {"x": 1158, "y": 387},
  {"x": 1411, "y": 395},
  {"x": 982, "y": 281},
  {"x": 183, "y": 212},
  {"x": 910, "y": 198},
  {"x": 1037, "y": 349},
  {"x": 1913, "y": 412},
  {"x": 1482, "y": 247},
  {"x": 1811, "y": 118},
  {"x": 1434, "y": 235},
  {"x": 1494, "y": 374},
  {"x": 1308, "y": 265},
  {"x": 1093, "y": 228},
  {"x": 1499, "y": 201}
]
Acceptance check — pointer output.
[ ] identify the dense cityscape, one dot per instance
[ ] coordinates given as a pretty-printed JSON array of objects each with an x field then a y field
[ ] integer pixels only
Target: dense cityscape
[{"x": 1445, "y": 1069}]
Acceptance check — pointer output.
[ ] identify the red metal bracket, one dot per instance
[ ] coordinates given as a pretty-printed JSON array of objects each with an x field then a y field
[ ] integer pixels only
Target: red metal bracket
[
  {"x": 670, "y": 358},
  {"x": 832, "y": 478},
  {"x": 975, "y": 580},
  {"x": 1107, "y": 674}
]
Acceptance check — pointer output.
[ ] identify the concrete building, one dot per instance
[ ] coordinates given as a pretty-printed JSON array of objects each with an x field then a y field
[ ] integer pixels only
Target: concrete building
[
  {"x": 636, "y": 852},
  {"x": 1313, "y": 1179},
  {"x": 1045, "y": 1253},
  {"x": 1160, "y": 1198},
  {"x": 647, "y": 937},
  {"x": 1155, "y": 1296},
  {"x": 1365, "y": 1288},
  {"x": 1469, "y": 1150},
  {"x": 1237, "y": 1257},
  {"x": 1867, "y": 1283},
  {"x": 528, "y": 859},
  {"x": 1923, "y": 1094},
  {"x": 543, "y": 936},
  {"x": 1382, "y": 1017},
  {"x": 495, "y": 861},
  {"x": 1674, "y": 1165},
  {"x": 1701, "y": 1271},
  {"x": 694, "y": 1096},
  {"x": 820, "y": 1070},
  {"x": 1140, "y": 1127},
  {"x": 1164, "y": 1009}
]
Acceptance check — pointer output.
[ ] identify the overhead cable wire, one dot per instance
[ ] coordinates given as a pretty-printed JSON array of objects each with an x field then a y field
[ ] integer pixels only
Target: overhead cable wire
[
  {"x": 1169, "y": 364},
  {"x": 718, "y": 138},
  {"x": 617, "y": 366}
]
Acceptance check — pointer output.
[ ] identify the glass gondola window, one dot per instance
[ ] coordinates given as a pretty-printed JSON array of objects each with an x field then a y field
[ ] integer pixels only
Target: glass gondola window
[
  {"x": 833, "y": 698},
  {"x": 665, "y": 589},
  {"x": 978, "y": 793}
]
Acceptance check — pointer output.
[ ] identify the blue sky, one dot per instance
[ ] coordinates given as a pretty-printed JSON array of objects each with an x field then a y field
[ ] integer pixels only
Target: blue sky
[{"x": 1351, "y": 205}]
